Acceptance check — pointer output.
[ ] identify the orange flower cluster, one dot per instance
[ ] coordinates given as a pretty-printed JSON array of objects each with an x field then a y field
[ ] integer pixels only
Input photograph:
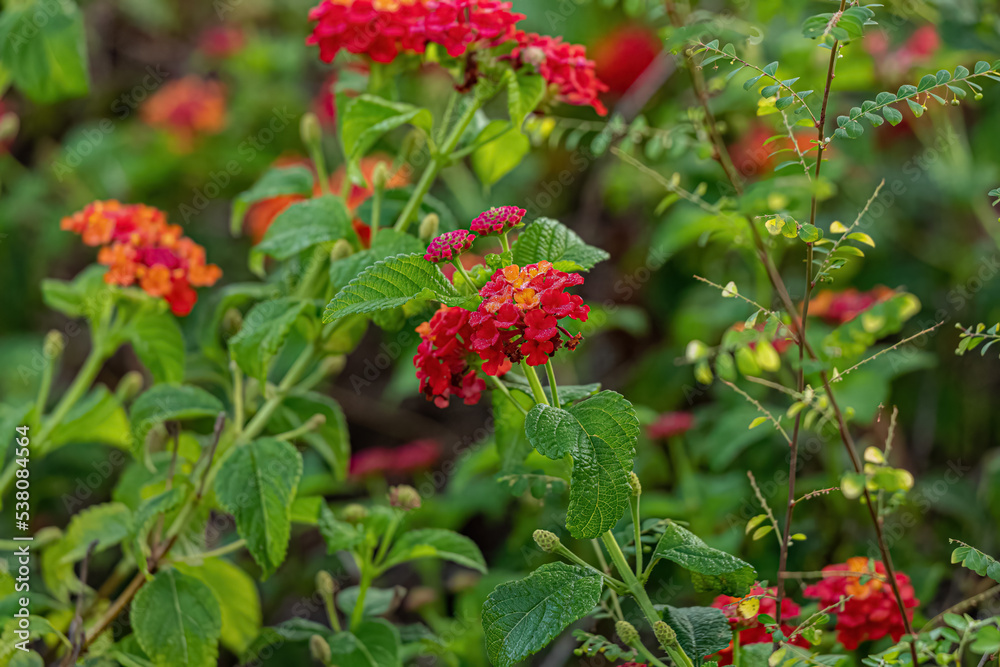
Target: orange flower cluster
[
  {"x": 139, "y": 247},
  {"x": 187, "y": 108}
]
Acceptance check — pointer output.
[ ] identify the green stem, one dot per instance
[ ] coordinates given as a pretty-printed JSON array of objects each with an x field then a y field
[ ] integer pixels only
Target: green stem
[
  {"x": 376, "y": 210},
  {"x": 316, "y": 152},
  {"x": 44, "y": 389},
  {"x": 607, "y": 570},
  {"x": 238, "y": 397},
  {"x": 648, "y": 656},
  {"x": 639, "y": 593},
  {"x": 614, "y": 584},
  {"x": 551, "y": 373},
  {"x": 536, "y": 386},
  {"x": 499, "y": 386},
  {"x": 307, "y": 286},
  {"x": 437, "y": 163},
  {"x": 383, "y": 548},
  {"x": 359, "y": 606},
  {"x": 221, "y": 551},
  {"x": 259, "y": 421},
  {"x": 736, "y": 649},
  {"x": 84, "y": 379},
  {"x": 634, "y": 506},
  {"x": 465, "y": 274},
  {"x": 504, "y": 243}
]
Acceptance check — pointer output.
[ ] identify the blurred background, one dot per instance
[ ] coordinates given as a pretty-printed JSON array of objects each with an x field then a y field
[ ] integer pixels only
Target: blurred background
[{"x": 186, "y": 104}]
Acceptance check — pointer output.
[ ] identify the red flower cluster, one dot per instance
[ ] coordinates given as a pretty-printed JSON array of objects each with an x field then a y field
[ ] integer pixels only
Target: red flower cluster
[
  {"x": 872, "y": 612},
  {"x": 498, "y": 220},
  {"x": 564, "y": 67},
  {"x": 751, "y": 630},
  {"x": 415, "y": 455},
  {"x": 449, "y": 246},
  {"x": 519, "y": 317},
  {"x": 140, "y": 247},
  {"x": 442, "y": 358},
  {"x": 187, "y": 107},
  {"x": 670, "y": 424},
  {"x": 841, "y": 307},
  {"x": 382, "y": 29}
]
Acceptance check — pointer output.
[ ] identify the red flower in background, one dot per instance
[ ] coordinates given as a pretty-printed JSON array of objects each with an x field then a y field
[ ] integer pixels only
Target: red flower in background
[
  {"x": 921, "y": 45},
  {"x": 564, "y": 66},
  {"x": 416, "y": 455},
  {"x": 751, "y": 155},
  {"x": 519, "y": 316},
  {"x": 262, "y": 213},
  {"x": 670, "y": 424},
  {"x": 622, "y": 55},
  {"x": 781, "y": 342},
  {"x": 841, "y": 307},
  {"x": 442, "y": 358},
  {"x": 221, "y": 41},
  {"x": 139, "y": 247},
  {"x": 750, "y": 629},
  {"x": 872, "y": 612},
  {"x": 187, "y": 108}
]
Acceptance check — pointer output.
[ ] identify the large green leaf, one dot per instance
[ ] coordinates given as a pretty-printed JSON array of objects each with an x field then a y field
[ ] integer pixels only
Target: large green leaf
[
  {"x": 711, "y": 570},
  {"x": 304, "y": 224},
  {"x": 159, "y": 344},
  {"x": 701, "y": 631},
  {"x": 436, "y": 543},
  {"x": 547, "y": 239},
  {"x": 391, "y": 283},
  {"x": 238, "y": 599},
  {"x": 177, "y": 621},
  {"x": 502, "y": 149},
  {"x": 108, "y": 524},
  {"x": 374, "y": 643},
  {"x": 365, "y": 118},
  {"x": 387, "y": 243},
  {"x": 265, "y": 328},
  {"x": 522, "y": 617},
  {"x": 294, "y": 180},
  {"x": 599, "y": 434},
  {"x": 167, "y": 402},
  {"x": 257, "y": 484},
  {"x": 45, "y": 49}
]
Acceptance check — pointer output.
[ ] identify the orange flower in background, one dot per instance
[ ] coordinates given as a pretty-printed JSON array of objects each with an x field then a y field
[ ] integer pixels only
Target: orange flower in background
[
  {"x": 139, "y": 247},
  {"x": 841, "y": 307},
  {"x": 262, "y": 213},
  {"x": 187, "y": 108}
]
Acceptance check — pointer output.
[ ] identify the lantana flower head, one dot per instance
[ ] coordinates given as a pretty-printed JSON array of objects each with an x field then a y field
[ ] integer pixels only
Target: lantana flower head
[
  {"x": 449, "y": 246},
  {"x": 752, "y": 631},
  {"x": 498, "y": 220},
  {"x": 872, "y": 612},
  {"x": 519, "y": 316},
  {"x": 187, "y": 108},
  {"x": 442, "y": 358},
  {"x": 564, "y": 67},
  {"x": 139, "y": 247}
]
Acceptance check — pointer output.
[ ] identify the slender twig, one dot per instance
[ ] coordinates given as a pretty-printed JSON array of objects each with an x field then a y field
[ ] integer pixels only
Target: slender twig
[
  {"x": 728, "y": 292},
  {"x": 839, "y": 375},
  {"x": 607, "y": 573},
  {"x": 499, "y": 386},
  {"x": 817, "y": 493},
  {"x": 960, "y": 607},
  {"x": 753, "y": 401},
  {"x": 836, "y": 244},
  {"x": 77, "y": 633},
  {"x": 763, "y": 503},
  {"x": 795, "y": 145}
]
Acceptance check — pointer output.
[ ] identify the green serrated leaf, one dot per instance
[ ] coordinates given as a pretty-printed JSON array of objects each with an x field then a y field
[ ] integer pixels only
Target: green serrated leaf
[
  {"x": 522, "y": 617},
  {"x": 550, "y": 240},
  {"x": 391, "y": 283},
  {"x": 236, "y": 593},
  {"x": 977, "y": 561},
  {"x": 305, "y": 224},
  {"x": 501, "y": 151},
  {"x": 157, "y": 340},
  {"x": 256, "y": 484},
  {"x": 365, "y": 118},
  {"x": 599, "y": 434},
  {"x": 712, "y": 570},
  {"x": 177, "y": 621},
  {"x": 701, "y": 631}
]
